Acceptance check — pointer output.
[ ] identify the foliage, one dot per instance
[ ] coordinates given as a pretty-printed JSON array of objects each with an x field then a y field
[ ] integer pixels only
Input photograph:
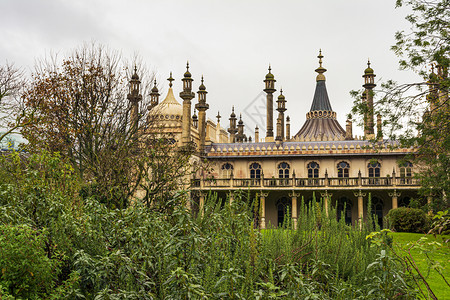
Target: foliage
[
  {"x": 26, "y": 271},
  {"x": 416, "y": 114},
  {"x": 405, "y": 219}
]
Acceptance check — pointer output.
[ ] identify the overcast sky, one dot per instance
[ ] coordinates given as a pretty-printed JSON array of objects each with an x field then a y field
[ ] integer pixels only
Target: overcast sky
[{"x": 230, "y": 42}]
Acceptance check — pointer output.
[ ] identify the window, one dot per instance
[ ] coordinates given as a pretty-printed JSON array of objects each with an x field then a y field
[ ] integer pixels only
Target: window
[
  {"x": 283, "y": 170},
  {"x": 344, "y": 209},
  {"x": 374, "y": 169},
  {"x": 283, "y": 208},
  {"x": 313, "y": 170},
  {"x": 255, "y": 171},
  {"x": 227, "y": 170},
  {"x": 406, "y": 169},
  {"x": 343, "y": 169},
  {"x": 377, "y": 211}
]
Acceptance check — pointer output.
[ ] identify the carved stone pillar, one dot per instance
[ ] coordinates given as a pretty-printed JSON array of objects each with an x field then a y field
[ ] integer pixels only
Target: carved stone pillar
[
  {"x": 360, "y": 196},
  {"x": 294, "y": 196},
  {"x": 263, "y": 196},
  {"x": 326, "y": 196},
  {"x": 395, "y": 196}
]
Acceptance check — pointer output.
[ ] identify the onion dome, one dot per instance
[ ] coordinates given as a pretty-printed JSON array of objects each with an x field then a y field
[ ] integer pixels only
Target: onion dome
[
  {"x": 269, "y": 75},
  {"x": 155, "y": 88},
  {"x": 202, "y": 87},
  {"x": 135, "y": 75},
  {"x": 187, "y": 73},
  {"x": 240, "y": 120},
  {"x": 233, "y": 115},
  {"x": 281, "y": 97},
  {"x": 369, "y": 70}
]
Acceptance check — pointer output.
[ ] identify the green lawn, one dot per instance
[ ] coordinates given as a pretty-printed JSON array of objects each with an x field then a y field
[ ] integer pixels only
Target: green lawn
[{"x": 440, "y": 255}]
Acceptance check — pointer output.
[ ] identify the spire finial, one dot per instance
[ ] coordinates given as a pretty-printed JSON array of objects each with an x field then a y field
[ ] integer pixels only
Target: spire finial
[
  {"x": 281, "y": 91},
  {"x": 135, "y": 68},
  {"x": 232, "y": 109},
  {"x": 218, "y": 117},
  {"x": 368, "y": 62},
  {"x": 270, "y": 68},
  {"x": 170, "y": 79},
  {"x": 202, "y": 78},
  {"x": 187, "y": 66},
  {"x": 320, "y": 69}
]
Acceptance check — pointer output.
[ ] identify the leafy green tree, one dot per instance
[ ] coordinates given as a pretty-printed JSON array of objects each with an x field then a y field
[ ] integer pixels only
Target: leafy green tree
[{"x": 416, "y": 114}]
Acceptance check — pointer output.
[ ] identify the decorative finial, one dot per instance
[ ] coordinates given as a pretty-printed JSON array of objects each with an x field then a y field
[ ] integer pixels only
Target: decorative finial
[
  {"x": 232, "y": 109},
  {"x": 202, "y": 78},
  {"x": 368, "y": 62},
  {"x": 320, "y": 69},
  {"x": 270, "y": 68},
  {"x": 281, "y": 91},
  {"x": 135, "y": 68},
  {"x": 218, "y": 117},
  {"x": 170, "y": 80},
  {"x": 240, "y": 116},
  {"x": 187, "y": 65}
]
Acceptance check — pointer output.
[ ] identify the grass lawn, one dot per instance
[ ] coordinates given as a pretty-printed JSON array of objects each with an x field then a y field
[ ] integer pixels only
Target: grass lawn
[{"x": 441, "y": 255}]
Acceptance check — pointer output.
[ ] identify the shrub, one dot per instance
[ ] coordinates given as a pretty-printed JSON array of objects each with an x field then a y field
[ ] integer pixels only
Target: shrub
[
  {"x": 26, "y": 271},
  {"x": 404, "y": 219}
]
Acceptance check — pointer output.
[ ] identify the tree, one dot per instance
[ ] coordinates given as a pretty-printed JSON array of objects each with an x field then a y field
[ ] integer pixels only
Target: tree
[
  {"x": 82, "y": 111},
  {"x": 12, "y": 114},
  {"x": 416, "y": 114}
]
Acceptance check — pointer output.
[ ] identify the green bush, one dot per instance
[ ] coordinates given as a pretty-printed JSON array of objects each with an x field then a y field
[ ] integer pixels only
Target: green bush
[
  {"x": 404, "y": 219},
  {"x": 26, "y": 271}
]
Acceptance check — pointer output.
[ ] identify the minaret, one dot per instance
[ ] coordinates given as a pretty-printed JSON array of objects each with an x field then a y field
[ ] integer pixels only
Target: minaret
[
  {"x": 240, "y": 137},
  {"x": 369, "y": 84},
  {"x": 278, "y": 138},
  {"x": 270, "y": 89},
  {"x": 281, "y": 108},
  {"x": 256, "y": 134},
  {"x": 349, "y": 128},
  {"x": 187, "y": 95},
  {"x": 232, "y": 130},
  {"x": 154, "y": 96},
  {"x": 288, "y": 128},
  {"x": 134, "y": 97},
  {"x": 379, "y": 128},
  {"x": 202, "y": 106},
  {"x": 218, "y": 128},
  {"x": 195, "y": 119}
]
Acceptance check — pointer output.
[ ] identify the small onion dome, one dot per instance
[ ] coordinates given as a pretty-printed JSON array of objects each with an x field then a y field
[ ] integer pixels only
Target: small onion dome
[
  {"x": 233, "y": 115},
  {"x": 369, "y": 70},
  {"x": 155, "y": 89},
  {"x": 202, "y": 87},
  {"x": 281, "y": 97},
  {"x": 194, "y": 117},
  {"x": 135, "y": 75},
  {"x": 240, "y": 120},
  {"x": 187, "y": 73},
  {"x": 269, "y": 75},
  {"x": 288, "y": 119}
]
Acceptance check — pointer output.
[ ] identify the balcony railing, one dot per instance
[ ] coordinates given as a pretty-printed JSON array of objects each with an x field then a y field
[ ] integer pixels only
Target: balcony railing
[{"x": 304, "y": 182}]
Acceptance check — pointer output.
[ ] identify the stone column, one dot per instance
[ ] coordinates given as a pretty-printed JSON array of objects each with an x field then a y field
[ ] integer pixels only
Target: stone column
[
  {"x": 262, "y": 209},
  {"x": 201, "y": 202},
  {"x": 395, "y": 196},
  {"x": 360, "y": 196},
  {"x": 326, "y": 196},
  {"x": 231, "y": 196},
  {"x": 294, "y": 196}
]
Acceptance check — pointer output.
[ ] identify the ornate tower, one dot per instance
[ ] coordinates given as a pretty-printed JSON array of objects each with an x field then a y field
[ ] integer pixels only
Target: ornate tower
[
  {"x": 369, "y": 84},
  {"x": 288, "y": 128},
  {"x": 202, "y": 106},
  {"x": 281, "y": 108},
  {"x": 187, "y": 95},
  {"x": 349, "y": 128},
  {"x": 270, "y": 89},
  {"x": 233, "y": 129},
  {"x": 134, "y": 97},
  {"x": 195, "y": 119},
  {"x": 154, "y": 96},
  {"x": 240, "y": 137}
]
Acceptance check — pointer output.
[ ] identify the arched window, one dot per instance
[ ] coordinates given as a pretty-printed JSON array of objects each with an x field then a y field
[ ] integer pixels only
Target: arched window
[
  {"x": 255, "y": 171},
  {"x": 343, "y": 169},
  {"x": 404, "y": 201},
  {"x": 313, "y": 170},
  {"x": 344, "y": 208},
  {"x": 283, "y": 208},
  {"x": 374, "y": 169},
  {"x": 283, "y": 170},
  {"x": 377, "y": 211},
  {"x": 227, "y": 169},
  {"x": 406, "y": 169}
]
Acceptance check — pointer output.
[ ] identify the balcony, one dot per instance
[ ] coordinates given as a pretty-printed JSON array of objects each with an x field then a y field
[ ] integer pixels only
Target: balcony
[{"x": 306, "y": 183}]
